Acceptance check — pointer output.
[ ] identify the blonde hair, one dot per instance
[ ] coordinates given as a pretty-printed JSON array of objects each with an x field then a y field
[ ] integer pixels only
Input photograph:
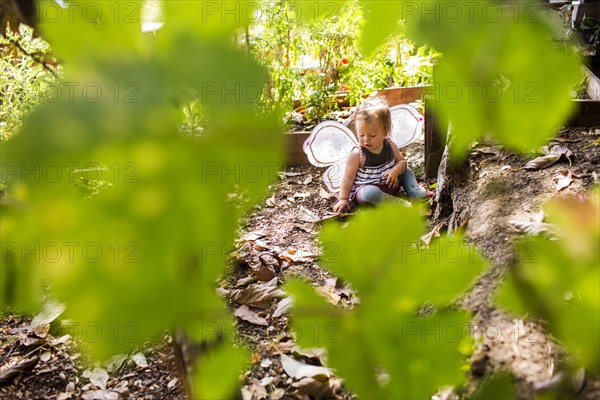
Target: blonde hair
[{"x": 375, "y": 110}]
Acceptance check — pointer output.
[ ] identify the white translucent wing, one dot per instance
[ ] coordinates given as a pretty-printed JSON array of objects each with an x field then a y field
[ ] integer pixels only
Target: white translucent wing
[
  {"x": 329, "y": 143},
  {"x": 407, "y": 124},
  {"x": 332, "y": 177}
]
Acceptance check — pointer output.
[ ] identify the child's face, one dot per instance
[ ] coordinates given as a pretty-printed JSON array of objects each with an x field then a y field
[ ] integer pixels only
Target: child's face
[{"x": 370, "y": 135}]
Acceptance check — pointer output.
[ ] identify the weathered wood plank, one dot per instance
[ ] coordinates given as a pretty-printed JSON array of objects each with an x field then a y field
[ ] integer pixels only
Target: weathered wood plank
[{"x": 587, "y": 114}]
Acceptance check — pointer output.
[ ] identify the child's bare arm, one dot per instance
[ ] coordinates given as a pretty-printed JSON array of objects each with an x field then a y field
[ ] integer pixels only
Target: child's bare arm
[
  {"x": 352, "y": 165},
  {"x": 399, "y": 168}
]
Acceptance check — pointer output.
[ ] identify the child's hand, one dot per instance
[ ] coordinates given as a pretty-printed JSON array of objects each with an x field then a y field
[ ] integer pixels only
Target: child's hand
[
  {"x": 392, "y": 179},
  {"x": 341, "y": 205}
]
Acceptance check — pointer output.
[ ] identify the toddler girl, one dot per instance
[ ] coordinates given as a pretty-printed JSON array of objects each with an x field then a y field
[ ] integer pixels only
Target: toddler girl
[{"x": 377, "y": 169}]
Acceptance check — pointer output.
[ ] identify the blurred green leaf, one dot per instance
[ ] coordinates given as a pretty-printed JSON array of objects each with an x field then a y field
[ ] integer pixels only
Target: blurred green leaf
[
  {"x": 389, "y": 328},
  {"x": 499, "y": 74},
  {"x": 499, "y": 387}
]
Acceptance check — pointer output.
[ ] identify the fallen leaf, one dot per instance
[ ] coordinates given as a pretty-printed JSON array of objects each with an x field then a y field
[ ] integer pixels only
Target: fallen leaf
[
  {"x": 264, "y": 272},
  {"x": 277, "y": 394},
  {"x": 435, "y": 232},
  {"x": 308, "y": 180},
  {"x": 258, "y": 295},
  {"x": 98, "y": 377},
  {"x": 61, "y": 340},
  {"x": 294, "y": 255},
  {"x": 266, "y": 381},
  {"x": 100, "y": 395},
  {"x": 68, "y": 393},
  {"x": 562, "y": 179},
  {"x": 534, "y": 228},
  {"x": 40, "y": 324},
  {"x": 542, "y": 162},
  {"x": 245, "y": 281},
  {"x": 244, "y": 313},
  {"x": 140, "y": 360},
  {"x": 26, "y": 340},
  {"x": 8, "y": 371},
  {"x": 302, "y": 195},
  {"x": 115, "y": 362},
  {"x": 261, "y": 245},
  {"x": 272, "y": 202},
  {"x": 330, "y": 293},
  {"x": 306, "y": 215},
  {"x": 318, "y": 387},
  {"x": 258, "y": 392},
  {"x": 505, "y": 168},
  {"x": 298, "y": 370},
  {"x": 291, "y": 174},
  {"x": 252, "y": 236},
  {"x": 283, "y": 306},
  {"x": 324, "y": 194},
  {"x": 316, "y": 353}
]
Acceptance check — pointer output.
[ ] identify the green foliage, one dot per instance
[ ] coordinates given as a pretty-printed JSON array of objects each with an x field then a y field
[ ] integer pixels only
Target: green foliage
[
  {"x": 134, "y": 258},
  {"x": 24, "y": 81},
  {"x": 560, "y": 282},
  {"x": 499, "y": 387},
  {"x": 499, "y": 74},
  {"x": 378, "y": 254},
  {"x": 316, "y": 57}
]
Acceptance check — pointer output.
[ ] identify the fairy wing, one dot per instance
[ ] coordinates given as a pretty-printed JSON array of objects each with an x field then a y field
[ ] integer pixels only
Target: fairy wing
[
  {"x": 328, "y": 144},
  {"x": 332, "y": 177},
  {"x": 407, "y": 124}
]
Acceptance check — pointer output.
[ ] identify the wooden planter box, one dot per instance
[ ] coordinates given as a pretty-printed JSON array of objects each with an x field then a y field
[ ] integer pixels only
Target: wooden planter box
[{"x": 588, "y": 111}]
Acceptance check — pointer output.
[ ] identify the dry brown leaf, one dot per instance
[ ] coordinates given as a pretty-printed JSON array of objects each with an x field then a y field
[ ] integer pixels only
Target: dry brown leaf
[
  {"x": 562, "y": 179},
  {"x": 258, "y": 295},
  {"x": 298, "y": 370},
  {"x": 308, "y": 180},
  {"x": 294, "y": 255},
  {"x": 324, "y": 194},
  {"x": 435, "y": 232},
  {"x": 40, "y": 324},
  {"x": 272, "y": 202},
  {"x": 98, "y": 377},
  {"x": 243, "y": 312},
  {"x": 542, "y": 162},
  {"x": 264, "y": 272},
  {"x": 245, "y": 281},
  {"x": 254, "y": 235},
  {"x": 258, "y": 392},
  {"x": 306, "y": 215},
  {"x": 101, "y": 395},
  {"x": 10, "y": 370},
  {"x": 534, "y": 227},
  {"x": 318, "y": 388},
  {"x": 282, "y": 307},
  {"x": 330, "y": 293}
]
